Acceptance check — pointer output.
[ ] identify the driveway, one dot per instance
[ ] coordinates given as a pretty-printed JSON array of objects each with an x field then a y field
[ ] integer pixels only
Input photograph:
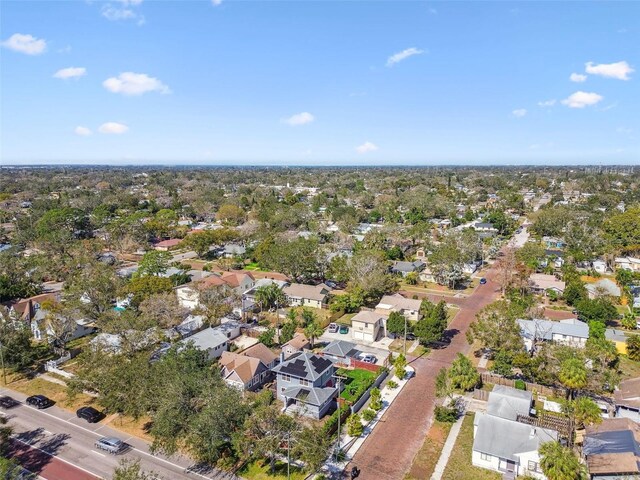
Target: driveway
[
  {"x": 387, "y": 454},
  {"x": 372, "y": 348}
]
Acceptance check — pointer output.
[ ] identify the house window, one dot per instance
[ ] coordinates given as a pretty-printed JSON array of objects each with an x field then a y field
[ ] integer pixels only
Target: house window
[
  {"x": 485, "y": 457},
  {"x": 286, "y": 378},
  {"x": 533, "y": 466},
  {"x": 304, "y": 383}
]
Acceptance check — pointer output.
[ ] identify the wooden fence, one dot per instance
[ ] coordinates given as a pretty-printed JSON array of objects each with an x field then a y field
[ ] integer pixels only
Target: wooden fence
[{"x": 530, "y": 387}]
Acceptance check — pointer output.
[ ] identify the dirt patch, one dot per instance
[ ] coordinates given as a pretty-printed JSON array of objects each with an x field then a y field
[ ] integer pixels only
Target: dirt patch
[{"x": 425, "y": 460}]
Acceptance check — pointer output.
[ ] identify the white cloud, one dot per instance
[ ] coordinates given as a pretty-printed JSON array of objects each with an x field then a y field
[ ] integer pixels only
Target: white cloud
[
  {"x": 519, "y": 112},
  {"x": 216, "y": 3},
  {"x": 66, "y": 49},
  {"x": 403, "y": 55},
  {"x": 619, "y": 70},
  {"x": 123, "y": 10},
  {"x": 547, "y": 103},
  {"x": 299, "y": 119},
  {"x": 113, "y": 128},
  {"x": 366, "y": 147},
  {"x": 25, "y": 43},
  {"x": 82, "y": 131},
  {"x": 577, "y": 77},
  {"x": 70, "y": 72},
  {"x": 129, "y": 83},
  {"x": 582, "y": 99}
]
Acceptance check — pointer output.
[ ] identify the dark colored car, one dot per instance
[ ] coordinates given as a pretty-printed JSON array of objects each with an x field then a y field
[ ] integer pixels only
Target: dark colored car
[
  {"x": 483, "y": 281},
  {"x": 8, "y": 402},
  {"x": 411, "y": 336},
  {"x": 39, "y": 401},
  {"x": 344, "y": 329},
  {"x": 89, "y": 414}
]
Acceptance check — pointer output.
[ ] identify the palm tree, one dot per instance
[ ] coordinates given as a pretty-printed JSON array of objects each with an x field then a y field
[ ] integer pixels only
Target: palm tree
[
  {"x": 560, "y": 463},
  {"x": 313, "y": 331},
  {"x": 583, "y": 411},
  {"x": 573, "y": 375}
]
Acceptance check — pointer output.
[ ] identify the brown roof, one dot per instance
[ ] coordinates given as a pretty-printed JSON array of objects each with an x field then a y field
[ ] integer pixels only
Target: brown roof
[
  {"x": 244, "y": 367},
  {"x": 367, "y": 317},
  {"x": 172, "y": 242},
  {"x": 614, "y": 425},
  {"x": 312, "y": 292},
  {"x": 261, "y": 352},
  {"x": 618, "y": 463},
  {"x": 233, "y": 279},
  {"x": 628, "y": 393},
  {"x": 299, "y": 341},
  {"x": 212, "y": 281}
]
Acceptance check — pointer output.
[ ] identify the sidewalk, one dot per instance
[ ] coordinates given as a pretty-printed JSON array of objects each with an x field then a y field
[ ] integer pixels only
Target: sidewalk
[
  {"x": 447, "y": 449},
  {"x": 387, "y": 395}
]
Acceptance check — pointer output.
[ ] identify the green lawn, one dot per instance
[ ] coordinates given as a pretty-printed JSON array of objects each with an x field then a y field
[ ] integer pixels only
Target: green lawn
[
  {"x": 345, "y": 319},
  {"x": 258, "y": 471},
  {"x": 459, "y": 466},
  {"x": 355, "y": 383},
  {"x": 425, "y": 460},
  {"x": 628, "y": 368}
]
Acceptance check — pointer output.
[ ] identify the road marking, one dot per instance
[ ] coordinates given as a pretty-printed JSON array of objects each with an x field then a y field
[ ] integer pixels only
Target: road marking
[
  {"x": 179, "y": 467},
  {"x": 59, "y": 458},
  {"x": 98, "y": 453},
  {"x": 47, "y": 432}
]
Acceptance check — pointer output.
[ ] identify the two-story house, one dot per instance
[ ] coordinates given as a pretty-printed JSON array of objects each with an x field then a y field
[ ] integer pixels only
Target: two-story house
[
  {"x": 367, "y": 326},
  {"x": 397, "y": 303},
  {"x": 249, "y": 369},
  {"x": 305, "y": 384}
]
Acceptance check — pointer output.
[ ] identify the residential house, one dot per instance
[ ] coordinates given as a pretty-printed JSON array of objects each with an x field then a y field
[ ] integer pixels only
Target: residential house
[
  {"x": 249, "y": 296},
  {"x": 367, "y": 326},
  {"x": 612, "y": 449},
  {"x": 340, "y": 351},
  {"x": 166, "y": 245},
  {"x": 232, "y": 250},
  {"x": 427, "y": 275},
  {"x": 249, "y": 369},
  {"x": 553, "y": 242},
  {"x": 404, "y": 268},
  {"x": 618, "y": 338},
  {"x": 298, "y": 343},
  {"x": 421, "y": 254},
  {"x": 603, "y": 288},
  {"x": 599, "y": 266},
  {"x": 235, "y": 282},
  {"x": 397, "y": 303},
  {"x": 503, "y": 444},
  {"x": 628, "y": 263},
  {"x": 239, "y": 282},
  {"x": 540, "y": 283},
  {"x": 570, "y": 332},
  {"x": 305, "y": 384},
  {"x": 215, "y": 340},
  {"x": 485, "y": 228},
  {"x": 627, "y": 399},
  {"x": 316, "y": 296}
]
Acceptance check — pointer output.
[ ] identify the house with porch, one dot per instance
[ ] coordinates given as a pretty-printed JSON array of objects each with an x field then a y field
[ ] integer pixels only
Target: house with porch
[
  {"x": 408, "y": 307},
  {"x": 315, "y": 296},
  {"x": 501, "y": 442},
  {"x": 305, "y": 384},
  {"x": 541, "y": 283},
  {"x": 249, "y": 369}
]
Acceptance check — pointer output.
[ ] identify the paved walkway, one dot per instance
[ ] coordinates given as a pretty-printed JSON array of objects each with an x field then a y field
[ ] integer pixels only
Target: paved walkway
[{"x": 447, "y": 449}]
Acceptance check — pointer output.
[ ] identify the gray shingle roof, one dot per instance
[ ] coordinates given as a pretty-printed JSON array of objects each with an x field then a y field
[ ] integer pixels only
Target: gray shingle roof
[
  {"x": 544, "y": 329},
  {"x": 507, "y": 402},
  {"x": 311, "y": 395},
  {"x": 340, "y": 348}
]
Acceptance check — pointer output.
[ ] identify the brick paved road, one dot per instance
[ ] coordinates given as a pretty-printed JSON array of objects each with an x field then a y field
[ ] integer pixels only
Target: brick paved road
[{"x": 387, "y": 454}]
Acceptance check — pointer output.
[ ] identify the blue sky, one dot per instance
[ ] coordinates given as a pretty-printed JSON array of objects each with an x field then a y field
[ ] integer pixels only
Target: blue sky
[{"x": 327, "y": 82}]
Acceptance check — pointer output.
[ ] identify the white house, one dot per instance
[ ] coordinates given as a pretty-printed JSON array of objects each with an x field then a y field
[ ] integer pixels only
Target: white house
[
  {"x": 603, "y": 287},
  {"x": 570, "y": 332},
  {"x": 316, "y": 296},
  {"x": 408, "y": 307},
  {"x": 367, "y": 326},
  {"x": 503, "y": 444},
  {"x": 599, "y": 266},
  {"x": 628, "y": 263}
]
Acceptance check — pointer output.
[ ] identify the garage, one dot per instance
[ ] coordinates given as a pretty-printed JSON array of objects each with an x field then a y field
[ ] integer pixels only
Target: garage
[{"x": 365, "y": 337}]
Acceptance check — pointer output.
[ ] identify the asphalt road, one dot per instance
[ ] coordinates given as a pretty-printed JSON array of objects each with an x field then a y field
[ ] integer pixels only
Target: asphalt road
[{"x": 57, "y": 445}]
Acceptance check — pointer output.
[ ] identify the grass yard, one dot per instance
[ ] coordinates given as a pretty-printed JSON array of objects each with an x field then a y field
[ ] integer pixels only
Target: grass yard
[
  {"x": 355, "y": 383},
  {"x": 459, "y": 466},
  {"x": 137, "y": 428},
  {"x": 425, "y": 460},
  {"x": 345, "y": 319},
  {"x": 628, "y": 368},
  {"x": 55, "y": 392},
  {"x": 258, "y": 470}
]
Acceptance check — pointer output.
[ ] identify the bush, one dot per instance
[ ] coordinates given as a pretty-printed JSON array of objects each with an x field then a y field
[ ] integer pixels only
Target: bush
[
  {"x": 520, "y": 385},
  {"x": 369, "y": 414},
  {"x": 392, "y": 384},
  {"x": 446, "y": 414},
  {"x": 332, "y": 421},
  {"x": 354, "y": 426}
]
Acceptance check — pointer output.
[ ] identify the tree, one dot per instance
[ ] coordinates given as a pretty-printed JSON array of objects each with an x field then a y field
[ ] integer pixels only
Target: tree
[
  {"x": 308, "y": 317},
  {"x": 496, "y": 327},
  {"x": 432, "y": 326},
  {"x": 573, "y": 375},
  {"x": 287, "y": 331},
  {"x": 10, "y": 469},
  {"x": 400, "y": 366},
  {"x": 575, "y": 292},
  {"x": 368, "y": 275},
  {"x": 598, "y": 309},
  {"x": 463, "y": 374},
  {"x": 411, "y": 278},
  {"x": 15, "y": 338},
  {"x": 583, "y": 411},
  {"x": 396, "y": 323},
  {"x": 153, "y": 262},
  {"x": 347, "y": 302},
  {"x": 444, "y": 388},
  {"x": 633, "y": 347},
  {"x": 215, "y": 301},
  {"x": 312, "y": 446},
  {"x": 268, "y": 337},
  {"x": 560, "y": 463},
  {"x": 623, "y": 229},
  {"x": 92, "y": 288},
  {"x": 163, "y": 310},
  {"x": 270, "y": 296},
  {"x": 5, "y": 434},
  {"x": 230, "y": 214},
  {"x": 297, "y": 258},
  {"x": 313, "y": 331},
  {"x": 629, "y": 321},
  {"x": 128, "y": 469},
  {"x": 144, "y": 287},
  {"x": 59, "y": 325}
]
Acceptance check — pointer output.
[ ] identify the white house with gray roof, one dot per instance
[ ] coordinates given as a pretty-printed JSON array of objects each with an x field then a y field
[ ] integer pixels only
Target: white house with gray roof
[
  {"x": 305, "y": 384},
  {"x": 503, "y": 444},
  {"x": 570, "y": 332}
]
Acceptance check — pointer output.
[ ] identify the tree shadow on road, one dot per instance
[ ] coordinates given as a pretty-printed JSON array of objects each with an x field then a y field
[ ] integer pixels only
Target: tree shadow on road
[{"x": 34, "y": 450}]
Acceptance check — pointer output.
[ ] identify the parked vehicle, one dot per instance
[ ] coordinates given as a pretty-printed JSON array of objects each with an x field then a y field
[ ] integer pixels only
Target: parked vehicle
[
  {"x": 411, "y": 336},
  {"x": 333, "y": 328},
  {"x": 111, "y": 445},
  {"x": 39, "y": 401},
  {"x": 8, "y": 402},
  {"x": 89, "y": 414},
  {"x": 344, "y": 329},
  {"x": 483, "y": 281},
  {"x": 392, "y": 335},
  {"x": 367, "y": 358}
]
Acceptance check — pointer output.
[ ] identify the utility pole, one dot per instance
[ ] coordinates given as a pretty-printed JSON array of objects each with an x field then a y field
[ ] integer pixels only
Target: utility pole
[
  {"x": 405, "y": 335},
  {"x": 337, "y": 450},
  {"x": 288, "y": 455},
  {"x": 4, "y": 371}
]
